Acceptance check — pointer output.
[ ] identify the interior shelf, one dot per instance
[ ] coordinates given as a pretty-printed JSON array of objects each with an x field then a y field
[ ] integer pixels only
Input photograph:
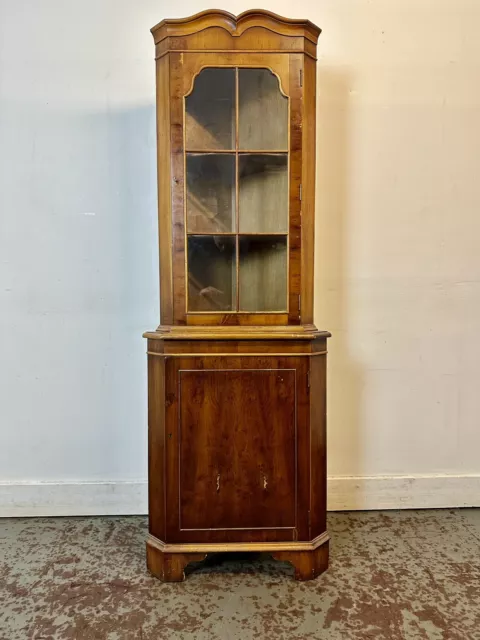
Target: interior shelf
[{"x": 239, "y": 151}]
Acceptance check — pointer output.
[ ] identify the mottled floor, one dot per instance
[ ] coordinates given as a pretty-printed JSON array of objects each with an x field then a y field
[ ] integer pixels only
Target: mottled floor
[{"x": 405, "y": 574}]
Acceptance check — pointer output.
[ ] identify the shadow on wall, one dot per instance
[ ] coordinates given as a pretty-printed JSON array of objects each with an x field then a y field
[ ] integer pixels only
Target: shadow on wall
[
  {"x": 345, "y": 377},
  {"x": 81, "y": 208}
]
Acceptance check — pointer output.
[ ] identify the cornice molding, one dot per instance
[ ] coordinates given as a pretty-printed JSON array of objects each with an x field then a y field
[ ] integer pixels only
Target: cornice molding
[{"x": 235, "y": 25}]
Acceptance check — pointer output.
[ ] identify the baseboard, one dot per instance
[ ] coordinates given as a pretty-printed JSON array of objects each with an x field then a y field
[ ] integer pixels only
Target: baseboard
[
  {"x": 349, "y": 493},
  {"x": 25, "y": 499},
  {"x": 403, "y": 492}
]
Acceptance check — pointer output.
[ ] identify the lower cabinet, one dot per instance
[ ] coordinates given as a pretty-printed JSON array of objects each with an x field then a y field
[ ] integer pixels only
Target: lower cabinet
[{"x": 230, "y": 449}]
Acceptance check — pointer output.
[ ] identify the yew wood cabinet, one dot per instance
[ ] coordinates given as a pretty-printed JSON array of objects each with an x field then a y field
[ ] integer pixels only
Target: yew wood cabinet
[{"x": 236, "y": 369}]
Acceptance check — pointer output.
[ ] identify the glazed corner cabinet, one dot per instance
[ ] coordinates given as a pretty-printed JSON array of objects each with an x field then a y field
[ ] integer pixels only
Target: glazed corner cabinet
[{"x": 236, "y": 369}]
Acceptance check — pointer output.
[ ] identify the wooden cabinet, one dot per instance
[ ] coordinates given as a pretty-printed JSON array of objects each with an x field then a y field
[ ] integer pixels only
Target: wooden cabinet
[{"x": 237, "y": 451}]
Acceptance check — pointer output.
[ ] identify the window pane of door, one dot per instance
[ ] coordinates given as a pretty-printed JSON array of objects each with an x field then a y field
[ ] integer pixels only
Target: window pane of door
[
  {"x": 263, "y": 273},
  {"x": 263, "y": 111},
  {"x": 210, "y": 111},
  {"x": 263, "y": 193},
  {"x": 211, "y": 273},
  {"x": 210, "y": 193}
]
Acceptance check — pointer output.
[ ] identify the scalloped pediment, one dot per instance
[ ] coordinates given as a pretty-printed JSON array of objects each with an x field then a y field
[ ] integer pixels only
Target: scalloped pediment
[{"x": 235, "y": 25}]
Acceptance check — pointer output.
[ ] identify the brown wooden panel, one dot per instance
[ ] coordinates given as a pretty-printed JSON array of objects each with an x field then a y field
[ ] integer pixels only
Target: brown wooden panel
[
  {"x": 164, "y": 194},
  {"x": 156, "y": 446},
  {"x": 318, "y": 446},
  {"x": 308, "y": 186},
  {"x": 171, "y": 447},
  {"x": 295, "y": 224},
  {"x": 202, "y": 397},
  {"x": 237, "y": 448},
  {"x": 217, "y": 39},
  {"x": 237, "y": 319},
  {"x": 303, "y": 446},
  {"x": 190, "y": 347},
  {"x": 177, "y": 186}
]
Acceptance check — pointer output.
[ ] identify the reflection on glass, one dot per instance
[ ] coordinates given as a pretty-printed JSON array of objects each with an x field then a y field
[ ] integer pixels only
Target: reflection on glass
[
  {"x": 263, "y": 193},
  {"x": 211, "y": 273},
  {"x": 263, "y": 111},
  {"x": 263, "y": 273},
  {"x": 244, "y": 190},
  {"x": 210, "y": 193},
  {"x": 210, "y": 110}
]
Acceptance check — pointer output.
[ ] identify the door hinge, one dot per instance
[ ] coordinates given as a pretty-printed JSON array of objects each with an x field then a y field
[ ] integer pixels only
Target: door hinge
[
  {"x": 300, "y": 193},
  {"x": 301, "y": 77},
  {"x": 299, "y": 304},
  {"x": 308, "y": 379}
]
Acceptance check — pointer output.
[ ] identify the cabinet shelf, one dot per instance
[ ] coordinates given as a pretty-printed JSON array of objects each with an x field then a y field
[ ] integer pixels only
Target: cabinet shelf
[
  {"x": 239, "y": 313},
  {"x": 263, "y": 152},
  {"x": 233, "y": 234}
]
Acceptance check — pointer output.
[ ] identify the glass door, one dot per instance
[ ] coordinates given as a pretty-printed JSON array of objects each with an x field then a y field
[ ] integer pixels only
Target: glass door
[{"x": 237, "y": 192}]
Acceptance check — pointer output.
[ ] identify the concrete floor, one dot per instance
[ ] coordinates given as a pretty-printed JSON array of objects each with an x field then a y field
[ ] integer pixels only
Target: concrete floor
[{"x": 394, "y": 574}]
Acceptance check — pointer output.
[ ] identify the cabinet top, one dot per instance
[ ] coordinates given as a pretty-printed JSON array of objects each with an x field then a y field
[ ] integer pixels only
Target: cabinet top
[{"x": 235, "y": 25}]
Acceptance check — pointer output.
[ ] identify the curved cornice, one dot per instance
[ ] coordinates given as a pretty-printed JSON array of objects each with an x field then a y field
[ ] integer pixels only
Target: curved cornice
[{"x": 235, "y": 25}]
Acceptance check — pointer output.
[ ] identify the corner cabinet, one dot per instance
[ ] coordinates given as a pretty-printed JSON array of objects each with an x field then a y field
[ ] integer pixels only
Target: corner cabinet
[{"x": 237, "y": 369}]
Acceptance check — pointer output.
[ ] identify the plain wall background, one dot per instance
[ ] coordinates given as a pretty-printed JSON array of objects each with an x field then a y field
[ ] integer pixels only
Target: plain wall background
[{"x": 398, "y": 234}]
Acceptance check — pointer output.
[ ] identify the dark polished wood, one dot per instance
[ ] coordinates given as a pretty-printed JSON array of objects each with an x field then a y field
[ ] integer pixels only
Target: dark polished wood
[
  {"x": 247, "y": 419},
  {"x": 236, "y": 448},
  {"x": 237, "y": 399},
  {"x": 318, "y": 443}
]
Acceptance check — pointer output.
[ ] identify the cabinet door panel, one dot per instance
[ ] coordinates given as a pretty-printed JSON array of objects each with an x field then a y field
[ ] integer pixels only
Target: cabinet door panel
[
  {"x": 235, "y": 172},
  {"x": 237, "y": 454}
]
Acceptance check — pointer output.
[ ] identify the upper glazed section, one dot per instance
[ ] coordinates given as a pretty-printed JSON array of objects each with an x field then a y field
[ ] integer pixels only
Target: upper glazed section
[{"x": 217, "y": 30}]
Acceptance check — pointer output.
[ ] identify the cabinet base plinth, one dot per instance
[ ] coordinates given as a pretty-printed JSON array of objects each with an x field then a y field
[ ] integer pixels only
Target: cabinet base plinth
[
  {"x": 170, "y": 567},
  {"x": 168, "y": 561},
  {"x": 307, "y": 564}
]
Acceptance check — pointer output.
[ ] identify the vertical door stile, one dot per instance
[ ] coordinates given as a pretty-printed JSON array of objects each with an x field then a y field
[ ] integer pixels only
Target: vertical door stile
[
  {"x": 295, "y": 204},
  {"x": 237, "y": 184}
]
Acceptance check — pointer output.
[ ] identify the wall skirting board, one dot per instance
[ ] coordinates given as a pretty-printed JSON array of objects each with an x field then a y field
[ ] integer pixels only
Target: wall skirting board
[{"x": 26, "y": 499}]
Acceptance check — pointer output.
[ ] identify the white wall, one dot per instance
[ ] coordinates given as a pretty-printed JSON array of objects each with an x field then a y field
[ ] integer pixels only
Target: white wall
[{"x": 398, "y": 248}]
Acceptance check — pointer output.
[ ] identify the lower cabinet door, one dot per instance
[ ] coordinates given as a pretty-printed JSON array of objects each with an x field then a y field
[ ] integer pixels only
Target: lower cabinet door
[{"x": 232, "y": 447}]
